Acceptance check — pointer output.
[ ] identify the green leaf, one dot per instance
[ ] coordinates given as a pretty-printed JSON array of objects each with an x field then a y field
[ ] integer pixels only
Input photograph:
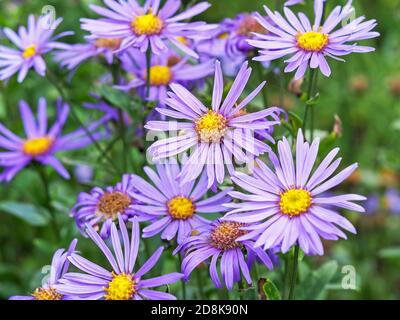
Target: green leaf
[
  {"x": 390, "y": 252},
  {"x": 313, "y": 100},
  {"x": 316, "y": 281},
  {"x": 30, "y": 214},
  {"x": 115, "y": 97},
  {"x": 271, "y": 291}
]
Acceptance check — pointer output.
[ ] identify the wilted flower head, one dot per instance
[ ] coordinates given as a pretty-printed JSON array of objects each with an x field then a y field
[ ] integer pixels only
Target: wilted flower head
[
  {"x": 148, "y": 26},
  {"x": 121, "y": 282},
  {"x": 219, "y": 241},
  {"x": 41, "y": 144},
  {"x": 59, "y": 266},
  {"x": 309, "y": 44},
  {"x": 101, "y": 207},
  {"x": 32, "y": 44},
  {"x": 290, "y": 202}
]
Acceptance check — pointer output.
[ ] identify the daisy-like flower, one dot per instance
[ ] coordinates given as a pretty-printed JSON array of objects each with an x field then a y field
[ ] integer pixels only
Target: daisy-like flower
[
  {"x": 100, "y": 207},
  {"x": 309, "y": 45},
  {"x": 59, "y": 266},
  {"x": 32, "y": 44},
  {"x": 148, "y": 25},
  {"x": 290, "y": 203},
  {"x": 216, "y": 135},
  {"x": 72, "y": 55},
  {"x": 219, "y": 241},
  {"x": 121, "y": 282},
  {"x": 176, "y": 207},
  {"x": 41, "y": 144},
  {"x": 165, "y": 69}
]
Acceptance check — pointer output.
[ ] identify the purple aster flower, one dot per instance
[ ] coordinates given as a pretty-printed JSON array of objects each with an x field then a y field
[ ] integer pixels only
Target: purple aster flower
[
  {"x": 392, "y": 200},
  {"x": 216, "y": 135},
  {"x": 41, "y": 144},
  {"x": 165, "y": 69},
  {"x": 148, "y": 25},
  {"x": 121, "y": 283},
  {"x": 32, "y": 44},
  {"x": 309, "y": 45},
  {"x": 72, "y": 55},
  {"x": 289, "y": 202},
  {"x": 59, "y": 266},
  {"x": 177, "y": 207},
  {"x": 219, "y": 241},
  {"x": 100, "y": 208}
]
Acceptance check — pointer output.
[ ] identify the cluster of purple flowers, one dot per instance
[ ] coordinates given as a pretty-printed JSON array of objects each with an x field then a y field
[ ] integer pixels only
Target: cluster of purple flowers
[{"x": 276, "y": 202}]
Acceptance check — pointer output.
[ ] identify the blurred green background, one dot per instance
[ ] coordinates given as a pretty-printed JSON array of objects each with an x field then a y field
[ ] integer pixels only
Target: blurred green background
[{"x": 363, "y": 92}]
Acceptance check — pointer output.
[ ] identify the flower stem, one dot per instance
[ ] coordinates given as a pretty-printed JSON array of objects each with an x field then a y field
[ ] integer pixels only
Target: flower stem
[
  {"x": 312, "y": 83},
  {"x": 200, "y": 284},
  {"x": 47, "y": 200},
  {"x": 179, "y": 266},
  {"x": 115, "y": 68},
  {"x": 148, "y": 66},
  {"x": 293, "y": 277},
  {"x": 54, "y": 81}
]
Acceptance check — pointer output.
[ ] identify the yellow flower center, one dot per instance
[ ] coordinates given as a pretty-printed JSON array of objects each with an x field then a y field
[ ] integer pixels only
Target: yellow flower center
[
  {"x": 295, "y": 202},
  {"x": 312, "y": 41},
  {"x": 148, "y": 24},
  {"x": 110, "y": 43},
  {"x": 223, "y": 35},
  {"x": 121, "y": 287},
  {"x": 211, "y": 127},
  {"x": 46, "y": 294},
  {"x": 37, "y": 146},
  {"x": 181, "y": 208},
  {"x": 224, "y": 235},
  {"x": 160, "y": 75},
  {"x": 112, "y": 203},
  {"x": 29, "y": 51}
]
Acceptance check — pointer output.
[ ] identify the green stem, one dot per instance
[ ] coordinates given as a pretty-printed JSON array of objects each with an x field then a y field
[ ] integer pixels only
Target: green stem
[
  {"x": 261, "y": 78},
  {"x": 293, "y": 277},
  {"x": 286, "y": 279},
  {"x": 148, "y": 67},
  {"x": 54, "y": 81},
  {"x": 47, "y": 200},
  {"x": 241, "y": 290},
  {"x": 310, "y": 94},
  {"x": 200, "y": 284},
  {"x": 179, "y": 267}
]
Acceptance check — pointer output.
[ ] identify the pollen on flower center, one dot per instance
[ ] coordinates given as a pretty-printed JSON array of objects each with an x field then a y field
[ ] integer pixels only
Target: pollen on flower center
[
  {"x": 112, "y": 203},
  {"x": 294, "y": 202},
  {"x": 46, "y": 294},
  {"x": 224, "y": 235},
  {"x": 110, "y": 43},
  {"x": 37, "y": 146},
  {"x": 121, "y": 287},
  {"x": 211, "y": 127},
  {"x": 148, "y": 24},
  {"x": 160, "y": 75},
  {"x": 29, "y": 51},
  {"x": 181, "y": 208},
  {"x": 312, "y": 41}
]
